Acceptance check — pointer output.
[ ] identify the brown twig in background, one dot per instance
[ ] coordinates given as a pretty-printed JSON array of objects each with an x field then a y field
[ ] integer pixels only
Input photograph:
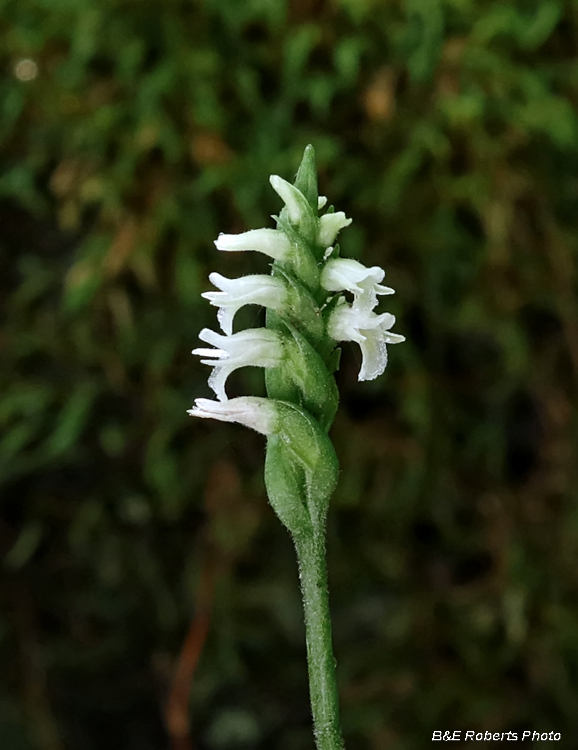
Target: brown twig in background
[
  {"x": 177, "y": 708},
  {"x": 232, "y": 520},
  {"x": 43, "y": 726}
]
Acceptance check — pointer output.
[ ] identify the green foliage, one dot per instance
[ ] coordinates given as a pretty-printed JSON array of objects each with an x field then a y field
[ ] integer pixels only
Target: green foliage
[{"x": 448, "y": 131}]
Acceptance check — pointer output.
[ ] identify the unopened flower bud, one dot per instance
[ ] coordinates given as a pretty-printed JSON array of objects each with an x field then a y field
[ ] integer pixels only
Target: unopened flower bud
[{"x": 329, "y": 227}]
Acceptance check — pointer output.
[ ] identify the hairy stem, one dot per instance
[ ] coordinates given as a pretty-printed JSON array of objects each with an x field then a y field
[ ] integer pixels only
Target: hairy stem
[{"x": 321, "y": 662}]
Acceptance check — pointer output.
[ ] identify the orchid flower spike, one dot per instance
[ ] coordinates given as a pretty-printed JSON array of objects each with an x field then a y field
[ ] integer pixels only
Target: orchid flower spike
[{"x": 307, "y": 315}]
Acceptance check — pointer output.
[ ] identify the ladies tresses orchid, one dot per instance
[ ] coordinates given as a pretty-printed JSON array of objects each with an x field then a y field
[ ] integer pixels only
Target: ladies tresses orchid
[{"x": 307, "y": 314}]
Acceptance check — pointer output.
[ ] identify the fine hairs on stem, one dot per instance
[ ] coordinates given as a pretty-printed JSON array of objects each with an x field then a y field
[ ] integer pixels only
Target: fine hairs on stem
[{"x": 307, "y": 315}]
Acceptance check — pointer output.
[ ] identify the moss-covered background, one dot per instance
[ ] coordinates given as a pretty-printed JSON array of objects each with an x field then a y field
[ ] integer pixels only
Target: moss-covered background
[{"x": 132, "y": 133}]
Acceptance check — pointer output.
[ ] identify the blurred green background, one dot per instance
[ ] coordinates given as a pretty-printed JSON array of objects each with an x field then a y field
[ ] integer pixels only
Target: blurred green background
[{"x": 132, "y": 133}]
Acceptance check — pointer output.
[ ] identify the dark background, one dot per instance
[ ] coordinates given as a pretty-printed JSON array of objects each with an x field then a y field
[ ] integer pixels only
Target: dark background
[{"x": 132, "y": 133}]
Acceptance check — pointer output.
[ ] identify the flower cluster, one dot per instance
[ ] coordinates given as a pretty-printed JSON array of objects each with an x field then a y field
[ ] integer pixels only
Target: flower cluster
[{"x": 299, "y": 227}]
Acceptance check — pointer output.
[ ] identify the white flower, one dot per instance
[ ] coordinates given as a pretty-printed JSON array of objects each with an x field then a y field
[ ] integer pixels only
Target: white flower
[
  {"x": 257, "y": 413},
  {"x": 258, "y": 289},
  {"x": 370, "y": 331},
  {"x": 257, "y": 347},
  {"x": 329, "y": 226},
  {"x": 271, "y": 242},
  {"x": 297, "y": 206},
  {"x": 344, "y": 274}
]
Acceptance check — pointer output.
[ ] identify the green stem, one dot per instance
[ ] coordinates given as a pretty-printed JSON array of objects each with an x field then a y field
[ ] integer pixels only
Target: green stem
[{"x": 321, "y": 662}]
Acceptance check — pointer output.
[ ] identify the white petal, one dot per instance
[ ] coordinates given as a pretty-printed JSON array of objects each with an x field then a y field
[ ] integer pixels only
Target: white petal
[
  {"x": 271, "y": 242},
  {"x": 379, "y": 289},
  {"x": 256, "y": 347},
  {"x": 370, "y": 331},
  {"x": 342, "y": 325},
  {"x": 384, "y": 321},
  {"x": 297, "y": 206},
  {"x": 257, "y": 289},
  {"x": 219, "y": 353},
  {"x": 329, "y": 226},
  {"x": 393, "y": 338},
  {"x": 212, "y": 337},
  {"x": 258, "y": 413},
  {"x": 321, "y": 201},
  {"x": 345, "y": 274}
]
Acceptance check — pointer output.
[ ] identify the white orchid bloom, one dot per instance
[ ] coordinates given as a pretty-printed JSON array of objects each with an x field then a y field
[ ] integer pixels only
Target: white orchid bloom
[
  {"x": 256, "y": 347},
  {"x": 344, "y": 274},
  {"x": 295, "y": 201},
  {"x": 271, "y": 242},
  {"x": 258, "y": 289},
  {"x": 259, "y": 414},
  {"x": 370, "y": 331},
  {"x": 329, "y": 227}
]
